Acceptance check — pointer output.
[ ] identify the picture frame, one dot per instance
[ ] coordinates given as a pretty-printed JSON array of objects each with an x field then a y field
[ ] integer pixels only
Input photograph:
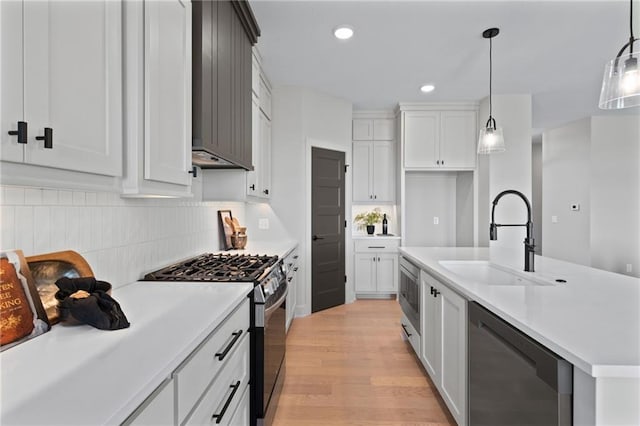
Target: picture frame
[
  {"x": 225, "y": 229},
  {"x": 22, "y": 315}
]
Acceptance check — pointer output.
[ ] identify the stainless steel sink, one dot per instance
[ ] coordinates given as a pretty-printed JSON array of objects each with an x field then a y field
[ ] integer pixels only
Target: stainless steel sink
[{"x": 484, "y": 272}]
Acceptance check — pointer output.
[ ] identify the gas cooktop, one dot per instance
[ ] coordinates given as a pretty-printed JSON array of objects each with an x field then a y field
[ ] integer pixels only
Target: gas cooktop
[{"x": 216, "y": 267}]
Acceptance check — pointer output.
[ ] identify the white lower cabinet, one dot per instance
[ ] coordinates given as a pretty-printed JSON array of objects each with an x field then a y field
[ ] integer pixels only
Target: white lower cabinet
[
  {"x": 157, "y": 410},
  {"x": 444, "y": 343},
  {"x": 376, "y": 267},
  {"x": 211, "y": 386}
]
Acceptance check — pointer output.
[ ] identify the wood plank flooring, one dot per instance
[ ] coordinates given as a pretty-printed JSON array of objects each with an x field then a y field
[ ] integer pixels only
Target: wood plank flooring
[{"x": 348, "y": 365}]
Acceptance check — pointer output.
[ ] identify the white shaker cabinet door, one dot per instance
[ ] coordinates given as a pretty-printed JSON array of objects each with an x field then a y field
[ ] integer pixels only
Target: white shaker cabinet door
[
  {"x": 387, "y": 272},
  {"x": 421, "y": 139},
  {"x": 11, "y": 80},
  {"x": 458, "y": 139},
  {"x": 453, "y": 310},
  {"x": 265, "y": 157},
  {"x": 430, "y": 322},
  {"x": 252, "y": 175},
  {"x": 167, "y": 141},
  {"x": 73, "y": 84},
  {"x": 365, "y": 272},
  {"x": 384, "y": 171},
  {"x": 362, "y": 171}
]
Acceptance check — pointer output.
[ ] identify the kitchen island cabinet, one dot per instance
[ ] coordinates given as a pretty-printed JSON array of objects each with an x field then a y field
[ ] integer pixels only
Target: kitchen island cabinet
[
  {"x": 570, "y": 318},
  {"x": 107, "y": 375}
]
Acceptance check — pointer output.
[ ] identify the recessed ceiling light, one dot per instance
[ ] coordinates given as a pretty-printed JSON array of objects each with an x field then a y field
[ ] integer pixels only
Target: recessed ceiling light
[
  {"x": 427, "y": 88},
  {"x": 343, "y": 32}
]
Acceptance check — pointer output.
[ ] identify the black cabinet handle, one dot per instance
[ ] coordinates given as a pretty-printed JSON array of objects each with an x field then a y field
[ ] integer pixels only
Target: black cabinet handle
[
  {"x": 253, "y": 187},
  {"x": 435, "y": 292},
  {"x": 266, "y": 192},
  {"x": 226, "y": 350},
  {"x": 295, "y": 269},
  {"x": 289, "y": 279},
  {"x": 315, "y": 237},
  {"x": 21, "y": 133},
  {"x": 404, "y": 327},
  {"x": 378, "y": 259},
  {"x": 432, "y": 290},
  {"x": 47, "y": 138},
  {"x": 218, "y": 417},
  {"x": 296, "y": 256},
  {"x": 194, "y": 171}
]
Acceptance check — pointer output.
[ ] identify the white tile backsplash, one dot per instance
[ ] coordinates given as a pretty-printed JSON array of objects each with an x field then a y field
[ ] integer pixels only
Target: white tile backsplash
[{"x": 122, "y": 239}]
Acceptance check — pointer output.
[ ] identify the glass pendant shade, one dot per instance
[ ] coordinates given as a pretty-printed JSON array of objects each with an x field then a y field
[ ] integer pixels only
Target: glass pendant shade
[
  {"x": 491, "y": 140},
  {"x": 621, "y": 83}
]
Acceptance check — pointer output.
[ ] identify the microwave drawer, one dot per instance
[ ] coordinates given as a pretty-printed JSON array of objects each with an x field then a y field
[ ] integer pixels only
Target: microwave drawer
[{"x": 377, "y": 245}]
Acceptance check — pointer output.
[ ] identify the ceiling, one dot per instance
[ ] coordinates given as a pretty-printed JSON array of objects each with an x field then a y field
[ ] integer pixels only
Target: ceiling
[{"x": 554, "y": 50}]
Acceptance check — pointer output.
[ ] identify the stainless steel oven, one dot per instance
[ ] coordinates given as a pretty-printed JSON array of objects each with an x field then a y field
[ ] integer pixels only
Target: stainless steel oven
[
  {"x": 409, "y": 296},
  {"x": 270, "y": 333}
]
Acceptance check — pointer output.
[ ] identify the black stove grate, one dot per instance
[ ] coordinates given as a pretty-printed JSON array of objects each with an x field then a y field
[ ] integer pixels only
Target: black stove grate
[{"x": 216, "y": 267}]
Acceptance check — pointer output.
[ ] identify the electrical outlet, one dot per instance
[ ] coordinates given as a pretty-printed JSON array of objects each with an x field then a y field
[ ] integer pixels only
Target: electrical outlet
[
  {"x": 263, "y": 223},
  {"x": 629, "y": 267},
  {"x": 575, "y": 207},
  {"x": 436, "y": 220},
  {"x": 554, "y": 219}
]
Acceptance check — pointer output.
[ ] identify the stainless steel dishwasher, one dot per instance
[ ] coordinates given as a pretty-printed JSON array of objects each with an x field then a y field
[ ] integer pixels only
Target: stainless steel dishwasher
[{"x": 514, "y": 380}]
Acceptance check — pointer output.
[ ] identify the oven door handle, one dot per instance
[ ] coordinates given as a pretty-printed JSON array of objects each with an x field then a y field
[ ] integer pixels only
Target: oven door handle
[{"x": 270, "y": 309}]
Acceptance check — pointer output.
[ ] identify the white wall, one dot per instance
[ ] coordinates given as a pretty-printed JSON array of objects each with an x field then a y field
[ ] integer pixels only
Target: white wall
[
  {"x": 615, "y": 193},
  {"x": 122, "y": 239},
  {"x": 594, "y": 162},
  {"x": 566, "y": 176},
  {"x": 303, "y": 118},
  {"x": 507, "y": 170}
]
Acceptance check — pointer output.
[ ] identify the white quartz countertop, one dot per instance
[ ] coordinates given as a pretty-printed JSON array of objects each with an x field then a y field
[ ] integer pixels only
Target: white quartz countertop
[
  {"x": 592, "y": 320},
  {"x": 375, "y": 237},
  {"x": 79, "y": 375}
]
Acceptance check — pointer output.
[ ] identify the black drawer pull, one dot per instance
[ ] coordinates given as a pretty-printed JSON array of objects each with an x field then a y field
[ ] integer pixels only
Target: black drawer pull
[
  {"x": 377, "y": 247},
  {"x": 218, "y": 417},
  {"x": 289, "y": 279},
  {"x": 295, "y": 269},
  {"x": 404, "y": 327},
  {"x": 47, "y": 138},
  {"x": 296, "y": 256},
  {"x": 236, "y": 335},
  {"x": 21, "y": 133}
]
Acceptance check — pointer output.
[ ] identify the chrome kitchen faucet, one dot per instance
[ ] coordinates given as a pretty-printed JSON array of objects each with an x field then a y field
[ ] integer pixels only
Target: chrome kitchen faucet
[{"x": 529, "y": 245}]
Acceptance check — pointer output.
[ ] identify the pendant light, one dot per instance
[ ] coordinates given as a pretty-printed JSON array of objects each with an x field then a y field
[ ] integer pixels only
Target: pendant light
[
  {"x": 491, "y": 139},
  {"x": 621, "y": 81}
]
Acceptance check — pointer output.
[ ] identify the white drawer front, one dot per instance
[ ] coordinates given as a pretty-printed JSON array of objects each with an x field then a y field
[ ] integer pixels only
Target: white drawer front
[
  {"x": 201, "y": 367},
  {"x": 410, "y": 334},
  {"x": 225, "y": 393},
  {"x": 377, "y": 245},
  {"x": 157, "y": 410},
  {"x": 241, "y": 416}
]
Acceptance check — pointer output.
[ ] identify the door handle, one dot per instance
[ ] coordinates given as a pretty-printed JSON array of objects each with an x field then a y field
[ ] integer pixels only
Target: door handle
[
  {"x": 315, "y": 237},
  {"x": 21, "y": 133},
  {"x": 47, "y": 138}
]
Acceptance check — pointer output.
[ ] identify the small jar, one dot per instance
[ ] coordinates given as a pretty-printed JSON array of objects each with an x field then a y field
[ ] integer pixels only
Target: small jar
[{"x": 239, "y": 240}]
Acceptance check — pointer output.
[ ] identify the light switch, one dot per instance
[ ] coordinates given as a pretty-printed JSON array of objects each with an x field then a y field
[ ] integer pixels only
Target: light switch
[
  {"x": 554, "y": 219},
  {"x": 263, "y": 223},
  {"x": 436, "y": 220}
]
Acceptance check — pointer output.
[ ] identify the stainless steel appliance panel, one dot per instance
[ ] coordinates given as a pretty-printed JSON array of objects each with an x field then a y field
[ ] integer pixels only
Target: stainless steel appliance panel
[
  {"x": 513, "y": 380},
  {"x": 409, "y": 296}
]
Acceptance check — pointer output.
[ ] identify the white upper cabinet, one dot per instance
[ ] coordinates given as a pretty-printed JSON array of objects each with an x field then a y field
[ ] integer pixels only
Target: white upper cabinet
[
  {"x": 374, "y": 160},
  {"x": 62, "y": 75},
  {"x": 369, "y": 129},
  {"x": 158, "y": 99},
  {"x": 167, "y": 52},
  {"x": 259, "y": 179},
  {"x": 439, "y": 139}
]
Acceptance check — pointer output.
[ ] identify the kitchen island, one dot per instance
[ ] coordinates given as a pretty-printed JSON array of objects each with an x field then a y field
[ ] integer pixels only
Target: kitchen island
[
  {"x": 592, "y": 320},
  {"x": 78, "y": 375}
]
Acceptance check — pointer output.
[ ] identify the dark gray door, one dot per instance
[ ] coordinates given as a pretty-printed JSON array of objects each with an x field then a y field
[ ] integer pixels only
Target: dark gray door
[{"x": 327, "y": 227}]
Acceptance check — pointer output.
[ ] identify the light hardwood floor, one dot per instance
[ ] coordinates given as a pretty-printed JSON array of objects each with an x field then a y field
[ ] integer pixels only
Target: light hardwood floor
[{"x": 349, "y": 366}]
